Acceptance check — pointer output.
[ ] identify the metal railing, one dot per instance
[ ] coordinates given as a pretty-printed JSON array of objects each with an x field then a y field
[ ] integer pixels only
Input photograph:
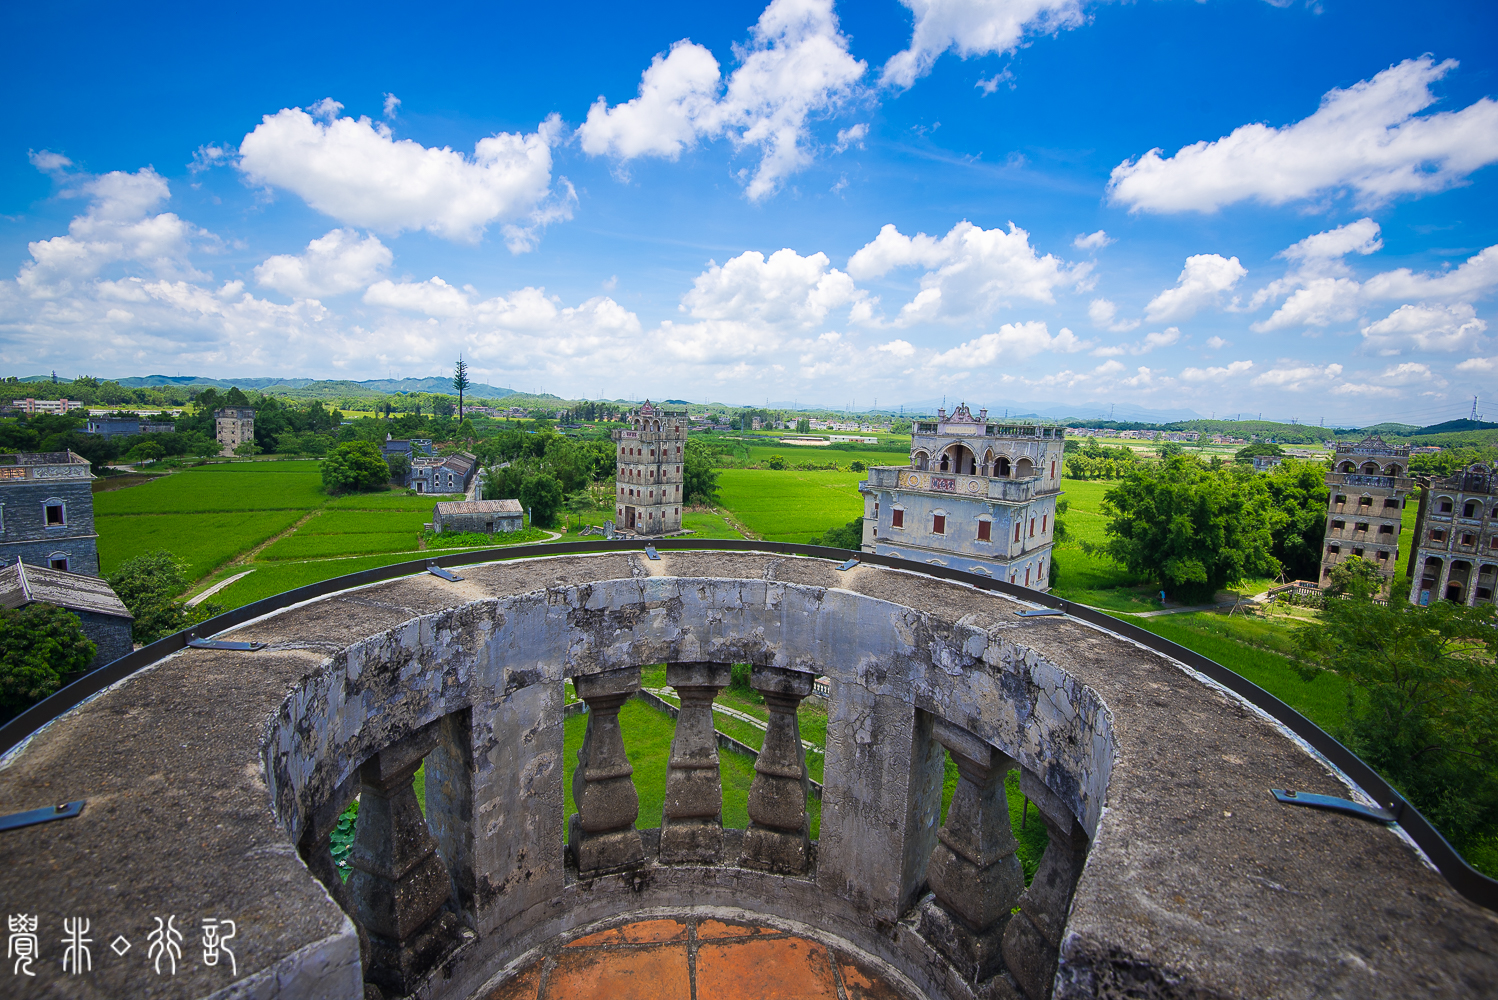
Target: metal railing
[{"x": 1465, "y": 879}]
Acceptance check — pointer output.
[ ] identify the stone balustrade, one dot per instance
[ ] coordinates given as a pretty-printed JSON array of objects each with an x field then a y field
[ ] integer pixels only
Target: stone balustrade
[{"x": 214, "y": 779}]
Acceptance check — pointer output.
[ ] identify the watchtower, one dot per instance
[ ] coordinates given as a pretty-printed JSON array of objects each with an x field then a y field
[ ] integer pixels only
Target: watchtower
[
  {"x": 650, "y": 457},
  {"x": 978, "y": 495},
  {"x": 1368, "y": 487}
]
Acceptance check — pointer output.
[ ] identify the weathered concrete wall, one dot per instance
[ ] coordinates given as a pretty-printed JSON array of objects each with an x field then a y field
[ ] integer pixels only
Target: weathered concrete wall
[{"x": 1197, "y": 884}]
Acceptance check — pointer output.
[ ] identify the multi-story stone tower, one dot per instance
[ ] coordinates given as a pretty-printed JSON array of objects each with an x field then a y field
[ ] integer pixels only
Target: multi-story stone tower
[
  {"x": 234, "y": 426},
  {"x": 976, "y": 496},
  {"x": 1455, "y": 553},
  {"x": 47, "y": 512},
  {"x": 650, "y": 477},
  {"x": 1369, "y": 486}
]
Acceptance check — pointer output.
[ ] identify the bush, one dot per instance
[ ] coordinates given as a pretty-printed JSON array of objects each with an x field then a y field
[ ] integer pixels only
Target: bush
[
  {"x": 148, "y": 585},
  {"x": 847, "y": 536},
  {"x": 857, "y": 466},
  {"x": 542, "y": 496},
  {"x": 776, "y": 462},
  {"x": 355, "y": 465},
  {"x": 40, "y": 646}
]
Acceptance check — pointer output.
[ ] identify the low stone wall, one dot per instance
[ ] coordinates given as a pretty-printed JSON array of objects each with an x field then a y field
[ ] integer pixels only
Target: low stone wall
[{"x": 1189, "y": 879}]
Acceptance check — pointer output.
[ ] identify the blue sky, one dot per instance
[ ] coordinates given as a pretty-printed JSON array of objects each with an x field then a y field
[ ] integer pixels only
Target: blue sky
[{"x": 1233, "y": 206}]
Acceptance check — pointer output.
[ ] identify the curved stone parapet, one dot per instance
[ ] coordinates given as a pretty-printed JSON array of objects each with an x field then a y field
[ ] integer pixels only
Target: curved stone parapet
[{"x": 213, "y": 779}]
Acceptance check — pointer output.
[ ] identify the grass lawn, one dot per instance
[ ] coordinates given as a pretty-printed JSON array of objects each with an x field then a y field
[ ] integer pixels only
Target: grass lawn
[
  {"x": 794, "y": 454},
  {"x": 1225, "y": 640},
  {"x": 203, "y": 541},
  {"x": 790, "y": 506},
  {"x": 707, "y": 524}
]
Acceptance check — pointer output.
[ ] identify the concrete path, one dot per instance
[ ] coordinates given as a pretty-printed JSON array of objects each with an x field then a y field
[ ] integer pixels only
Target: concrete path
[{"x": 200, "y": 598}]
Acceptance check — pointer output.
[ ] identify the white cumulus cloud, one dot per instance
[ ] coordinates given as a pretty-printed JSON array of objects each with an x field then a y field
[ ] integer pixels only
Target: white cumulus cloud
[
  {"x": 795, "y": 67},
  {"x": 970, "y": 272},
  {"x": 1217, "y": 373},
  {"x": 356, "y": 171},
  {"x": 784, "y": 290},
  {"x": 1295, "y": 376},
  {"x": 1012, "y": 341},
  {"x": 1369, "y": 138},
  {"x": 1425, "y": 328},
  {"x": 1200, "y": 285},
  {"x": 1092, "y": 241},
  {"x": 974, "y": 28},
  {"x": 120, "y": 225},
  {"x": 1164, "y": 338},
  {"x": 336, "y": 263},
  {"x": 1104, "y": 315}
]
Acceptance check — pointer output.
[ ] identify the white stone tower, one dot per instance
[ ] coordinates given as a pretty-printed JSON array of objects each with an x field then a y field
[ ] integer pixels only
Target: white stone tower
[{"x": 650, "y": 457}]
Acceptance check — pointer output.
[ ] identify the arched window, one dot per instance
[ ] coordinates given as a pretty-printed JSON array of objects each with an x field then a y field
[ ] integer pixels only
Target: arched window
[
  {"x": 1001, "y": 467},
  {"x": 946, "y": 462},
  {"x": 1370, "y": 468},
  {"x": 1346, "y": 467},
  {"x": 1024, "y": 469},
  {"x": 1470, "y": 509}
]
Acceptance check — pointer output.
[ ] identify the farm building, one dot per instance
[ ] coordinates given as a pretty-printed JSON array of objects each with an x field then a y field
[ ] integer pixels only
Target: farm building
[
  {"x": 485, "y": 516},
  {"x": 103, "y": 616}
]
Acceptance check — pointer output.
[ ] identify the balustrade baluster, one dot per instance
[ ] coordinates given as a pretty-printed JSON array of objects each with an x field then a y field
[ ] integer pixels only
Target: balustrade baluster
[
  {"x": 692, "y": 820},
  {"x": 602, "y": 834},
  {"x": 778, "y": 838},
  {"x": 399, "y": 886},
  {"x": 974, "y": 873},
  {"x": 1032, "y": 941}
]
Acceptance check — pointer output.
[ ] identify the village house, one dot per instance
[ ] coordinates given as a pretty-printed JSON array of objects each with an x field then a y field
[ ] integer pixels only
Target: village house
[
  {"x": 104, "y": 617},
  {"x": 452, "y": 474},
  {"x": 977, "y": 496},
  {"x": 477, "y": 516},
  {"x": 109, "y": 427},
  {"x": 47, "y": 512}
]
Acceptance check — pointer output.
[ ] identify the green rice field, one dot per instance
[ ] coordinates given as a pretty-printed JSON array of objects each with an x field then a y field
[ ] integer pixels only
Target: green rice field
[
  {"x": 203, "y": 541},
  {"x": 790, "y": 506}
]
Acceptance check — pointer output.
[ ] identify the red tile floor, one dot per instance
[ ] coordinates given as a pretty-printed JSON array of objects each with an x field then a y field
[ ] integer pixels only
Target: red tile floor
[{"x": 697, "y": 958}]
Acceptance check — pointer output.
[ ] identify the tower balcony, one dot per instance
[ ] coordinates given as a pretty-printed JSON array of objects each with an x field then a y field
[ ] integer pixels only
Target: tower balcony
[
  {"x": 995, "y": 488},
  {"x": 212, "y": 780}
]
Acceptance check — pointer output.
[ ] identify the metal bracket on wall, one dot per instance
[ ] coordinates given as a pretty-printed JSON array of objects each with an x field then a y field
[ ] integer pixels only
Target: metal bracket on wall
[
  {"x": 244, "y": 647},
  {"x": 1331, "y": 802},
  {"x": 34, "y": 816},
  {"x": 447, "y": 575},
  {"x": 1039, "y": 612},
  {"x": 847, "y": 565},
  {"x": 650, "y": 553}
]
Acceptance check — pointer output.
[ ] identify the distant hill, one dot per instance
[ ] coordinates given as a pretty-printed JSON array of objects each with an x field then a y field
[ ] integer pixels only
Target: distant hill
[
  {"x": 1452, "y": 426},
  {"x": 1402, "y": 430},
  {"x": 434, "y": 384}
]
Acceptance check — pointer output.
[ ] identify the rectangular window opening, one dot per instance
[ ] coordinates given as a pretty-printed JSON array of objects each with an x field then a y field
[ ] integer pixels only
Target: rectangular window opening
[
  {"x": 55, "y": 515},
  {"x": 984, "y": 527},
  {"x": 897, "y": 518},
  {"x": 938, "y": 524}
]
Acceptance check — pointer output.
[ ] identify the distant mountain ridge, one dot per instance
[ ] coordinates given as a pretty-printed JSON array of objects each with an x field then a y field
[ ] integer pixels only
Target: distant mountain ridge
[{"x": 434, "y": 383}]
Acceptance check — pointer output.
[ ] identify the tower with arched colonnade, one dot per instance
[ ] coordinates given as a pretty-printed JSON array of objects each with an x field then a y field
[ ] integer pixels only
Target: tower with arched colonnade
[{"x": 977, "y": 495}]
